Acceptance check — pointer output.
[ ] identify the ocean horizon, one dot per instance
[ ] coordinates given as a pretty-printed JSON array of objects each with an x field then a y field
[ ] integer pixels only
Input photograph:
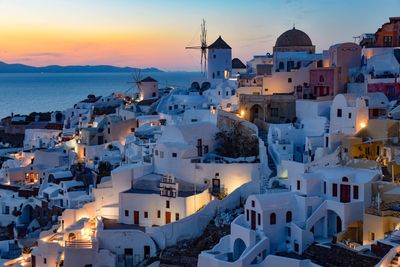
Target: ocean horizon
[{"x": 23, "y": 93}]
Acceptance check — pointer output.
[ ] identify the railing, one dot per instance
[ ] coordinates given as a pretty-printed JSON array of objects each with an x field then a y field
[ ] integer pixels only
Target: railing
[
  {"x": 79, "y": 244},
  {"x": 383, "y": 213}
]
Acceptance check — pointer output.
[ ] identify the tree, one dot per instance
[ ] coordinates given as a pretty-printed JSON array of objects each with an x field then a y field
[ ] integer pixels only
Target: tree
[
  {"x": 237, "y": 142},
  {"x": 104, "y": 170}
]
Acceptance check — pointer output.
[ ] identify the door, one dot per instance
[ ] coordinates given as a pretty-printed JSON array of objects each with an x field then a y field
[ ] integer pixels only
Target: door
[
  {"x": 253, "y": 220},
  {"x": 128, "y": 253},
  {"x": 136, "y": 217},
  {"x": 338, "y": 224},
  {"x": 167, "y": 217},
  {"x": 146, "y": 252},
  {"x": 344, "y": 193}
]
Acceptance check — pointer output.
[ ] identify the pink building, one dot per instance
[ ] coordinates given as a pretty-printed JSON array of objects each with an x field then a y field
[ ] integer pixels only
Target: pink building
[
  {"x": 390, "y": 89},
  {"x": 327, "y": 82}
]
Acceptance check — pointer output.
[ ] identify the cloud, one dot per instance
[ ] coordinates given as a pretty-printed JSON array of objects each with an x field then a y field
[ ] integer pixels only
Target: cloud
[{"x": 44, "y": 54}]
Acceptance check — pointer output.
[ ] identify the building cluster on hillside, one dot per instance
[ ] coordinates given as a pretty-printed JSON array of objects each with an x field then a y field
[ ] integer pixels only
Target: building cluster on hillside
[{"x": 306, "y": 144}]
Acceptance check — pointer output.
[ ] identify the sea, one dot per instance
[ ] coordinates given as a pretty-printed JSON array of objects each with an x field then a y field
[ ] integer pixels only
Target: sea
[{"x": 23, "y": 93}]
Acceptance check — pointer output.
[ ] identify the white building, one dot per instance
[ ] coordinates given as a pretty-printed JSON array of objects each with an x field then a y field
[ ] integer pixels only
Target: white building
[
  {"x": 158, "y": 200},
  {"x": 219, "y": 61},
  {"x": 321, "y": 205},
  {"x": 349, "y": 114},
  {"x": 40, "y": 138}
]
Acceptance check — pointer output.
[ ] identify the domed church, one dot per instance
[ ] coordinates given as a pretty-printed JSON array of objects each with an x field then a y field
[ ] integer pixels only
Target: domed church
[{"x": 294, "y": 40}]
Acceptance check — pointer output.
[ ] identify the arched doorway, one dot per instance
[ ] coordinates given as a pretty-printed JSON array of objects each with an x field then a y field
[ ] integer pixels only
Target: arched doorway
[
  {"x": 256, "y": 112},
  {"x": 334, "y": 223},
  {"x": 238, "y": 248}
]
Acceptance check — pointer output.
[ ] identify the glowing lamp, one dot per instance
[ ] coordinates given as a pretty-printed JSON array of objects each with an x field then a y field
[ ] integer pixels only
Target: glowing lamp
[
  {"x": 242, "y": 113},
  {"x": 363, "y": 125}
]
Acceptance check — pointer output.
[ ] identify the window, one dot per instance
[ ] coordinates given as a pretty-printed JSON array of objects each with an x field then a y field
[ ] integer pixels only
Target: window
[
  {"x": 7, "y": 210},
  {"x": 253, "y": 204},
  {"x": 158, "y": 213},
  {"x": 288, "y": 216},
  {"x": 355, "y": 192},
  {"x": 371, "y": 236},
  {"x": 146, "y": 214},
  {"x": 387, "y": 40},
  {"x": 162, "y": 154},
  {"x": 339, "y": 113},
  {"x": 153, "y": 94},
  {"x": 247, "y": 215},
  {"x": 218, "y": 73},
  {"x": 156, "y": 152},
  {"x": 272, "y": 218},
  {"x": 176, "y": 216},
  {"x": 132, "y": 130},
  {"x": 167, "y": 204},
  {"x": 334, "y": 190},
  {"x": 126, "y": 213},
  {"x": 345, "y": 179},
  {"x": 298, "y": 184},
  {"x": 108, "y": 130},
  {"x": 289, "y": 80},
  {"x": 259, "y": 218},
  {"x": 324, "y": 187},
  {"x": 205, "y": 149},
  {"x": 214, "y": 56},
  {"x": 174, "y": 155},
  {"x": 321, "y": 79},
  {"x": 274, "y": 112},
  {"x": 44, "y": 261},
  {"x": 349, "y": 115}
]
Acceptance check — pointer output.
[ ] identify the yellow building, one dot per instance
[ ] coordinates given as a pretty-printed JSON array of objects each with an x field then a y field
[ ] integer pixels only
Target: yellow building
[{"x": 378, "y": 141}]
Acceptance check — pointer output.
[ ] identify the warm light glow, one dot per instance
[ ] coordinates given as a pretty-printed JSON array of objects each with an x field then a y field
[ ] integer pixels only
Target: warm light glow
[
  {"x": 242, "y": 113},
  {"x": 363, "y": 125}
]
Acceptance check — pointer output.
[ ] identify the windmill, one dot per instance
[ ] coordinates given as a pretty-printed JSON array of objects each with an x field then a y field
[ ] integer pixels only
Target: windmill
[
  {"x": 203, "y": 47},
  {"x": 135, "y": 84}
]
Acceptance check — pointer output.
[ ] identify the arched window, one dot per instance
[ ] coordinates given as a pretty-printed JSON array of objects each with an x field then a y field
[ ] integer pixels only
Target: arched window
[
  {"x": 288, "y": 216},
  {"x": 321, "y": 79},
  {"x": 272, "y": 218},
  {"x": 345, "y": 179}
]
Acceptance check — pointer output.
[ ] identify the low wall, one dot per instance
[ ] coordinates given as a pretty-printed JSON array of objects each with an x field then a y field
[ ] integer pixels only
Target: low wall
[{"x": 194, "y": 225}]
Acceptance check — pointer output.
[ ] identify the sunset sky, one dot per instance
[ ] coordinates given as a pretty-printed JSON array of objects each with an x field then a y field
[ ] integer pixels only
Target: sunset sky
[{"x": 155, "y": 33}]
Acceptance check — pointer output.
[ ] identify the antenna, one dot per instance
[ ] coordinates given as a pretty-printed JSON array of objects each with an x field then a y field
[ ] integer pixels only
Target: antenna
[
  {"x": 203, "y": 47},
  {"x": 356, "y": 38}
]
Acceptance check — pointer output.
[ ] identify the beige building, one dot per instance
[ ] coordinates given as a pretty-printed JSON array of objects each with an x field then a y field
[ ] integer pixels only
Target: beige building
[{"x": 277, "y": 108}]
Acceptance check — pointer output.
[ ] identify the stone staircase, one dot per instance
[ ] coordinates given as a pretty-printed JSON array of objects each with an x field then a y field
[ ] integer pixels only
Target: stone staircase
[{"x": 266, "y": 182}]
